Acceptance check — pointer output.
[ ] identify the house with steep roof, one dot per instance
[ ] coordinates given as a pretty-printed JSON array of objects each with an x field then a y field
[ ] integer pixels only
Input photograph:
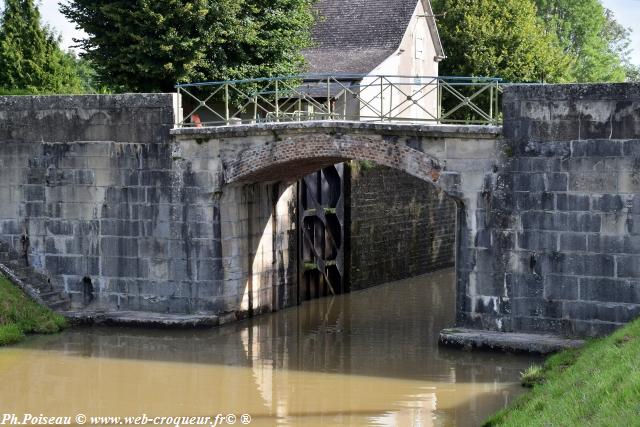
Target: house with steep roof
[
  {"x": 390, "y": 37},
  {"x": 358, "y": 40},
  {"x": 372, "y": 60}
]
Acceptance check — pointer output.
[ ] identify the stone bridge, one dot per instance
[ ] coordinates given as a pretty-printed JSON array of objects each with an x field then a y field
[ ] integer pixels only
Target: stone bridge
[{"x": 122, "y": 216}]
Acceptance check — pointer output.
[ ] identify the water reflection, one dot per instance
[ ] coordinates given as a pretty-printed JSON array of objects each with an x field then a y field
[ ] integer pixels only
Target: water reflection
[{"x": 369, "y": 358}]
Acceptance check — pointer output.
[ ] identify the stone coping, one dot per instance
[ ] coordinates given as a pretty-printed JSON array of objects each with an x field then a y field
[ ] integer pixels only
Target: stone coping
[
  {"x": 507, "y": 341},
  {"x": 148, "y": 319},
  {"x": 452, "y": 131}
]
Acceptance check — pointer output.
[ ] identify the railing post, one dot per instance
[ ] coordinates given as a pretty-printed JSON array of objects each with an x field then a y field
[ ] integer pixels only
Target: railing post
[
  {"x": 226, "y": 103},
  {"x": 277, "y": 102},
  {"x": 328, "y": 98},
  {"x": 255, "y": 107},
  {"x": 497, "y": 110},
  {"x": 179, "y": 113},
  {"x": 391, "y": 87},
  {"x": 381, "y": 99},
  {"x": 491, "y": 102},
  {"x": 439, "y": 101},
  {"x": 344, "y": 106}
]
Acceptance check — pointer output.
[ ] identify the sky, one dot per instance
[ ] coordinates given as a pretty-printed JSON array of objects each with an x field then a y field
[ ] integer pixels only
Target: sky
[
  {"x": 627, "y": 12},
  {"x": 52, "y": 16}
]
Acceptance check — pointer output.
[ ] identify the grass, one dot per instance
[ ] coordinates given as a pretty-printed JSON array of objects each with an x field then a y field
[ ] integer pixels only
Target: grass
[
  {"x": 13, "y": 92},
  {"x": 597, "y": 385},
  {"x": 19, "y": 315}
]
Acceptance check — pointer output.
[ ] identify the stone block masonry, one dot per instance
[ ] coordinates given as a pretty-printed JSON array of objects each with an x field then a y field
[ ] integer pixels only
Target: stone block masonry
[
  {"x": 125, "y": 215},
  {"x": 401, "y": 226},
  {"x": 451, "y": 162},
  {"x": 547, "y": 217},
  {"x": 92, "y": 194},
  {"x": 558, "y": 245},
  {"x": 95, "y": 194}
]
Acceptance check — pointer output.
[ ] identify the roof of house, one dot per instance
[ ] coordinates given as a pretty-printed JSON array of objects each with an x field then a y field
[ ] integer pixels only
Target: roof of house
[{"x": 355, "y": 36}]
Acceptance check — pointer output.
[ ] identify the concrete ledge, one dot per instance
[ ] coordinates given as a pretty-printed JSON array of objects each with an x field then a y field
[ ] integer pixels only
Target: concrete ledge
[
  {"x": 452, "y": 131},
  {"x": 148, "y": 320},
  {"x": 507, "y": 341}
]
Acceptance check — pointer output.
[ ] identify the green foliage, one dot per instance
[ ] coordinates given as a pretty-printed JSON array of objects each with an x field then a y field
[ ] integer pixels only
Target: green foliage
[
  {"x": 308, "y": 266},
  {"x": 596, "y": 385},
  {"x": 360, "y": 166},
  {"x": 150, "y": 45},
  {"x": 590, "y": 36},
  {"x": 30, "y": 57},
  {"x": 619, "y": 39},
  {"x": 532, "y": 376},
  {"x": 19, "y": 315},
  {"x": 501, "y": 38},
  {"x": 10, "y": 334},
  {"x": 632, "y": 72},
  {"x": 89, "y": 77},
  {"x": 15, "y": 92},
  {"x": 554, "y": 41}
]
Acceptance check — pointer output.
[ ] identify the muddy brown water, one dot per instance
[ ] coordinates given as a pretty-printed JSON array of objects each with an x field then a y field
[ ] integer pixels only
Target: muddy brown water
[{"x": 366, "y": 359}]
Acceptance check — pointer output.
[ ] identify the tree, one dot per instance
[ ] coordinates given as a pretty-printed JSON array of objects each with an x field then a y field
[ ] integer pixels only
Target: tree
[
  {"x": 590, "y": 36},
  {"x": 150, "y": 45},
  {"x": 632, "y": 72},
  {"x": 619, "y": 39},
  {"x": 30, "y": 56},
  {"x": 502, "y": 38}
]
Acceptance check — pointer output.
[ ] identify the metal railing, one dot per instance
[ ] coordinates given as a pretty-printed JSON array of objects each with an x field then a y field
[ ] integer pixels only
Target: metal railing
[{"x": 441, "y": 100}]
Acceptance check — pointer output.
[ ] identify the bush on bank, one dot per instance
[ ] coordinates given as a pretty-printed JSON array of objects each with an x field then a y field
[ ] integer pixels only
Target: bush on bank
[
  {"x": 597, "y": 385},
  {"x": 19, "y": 315}
]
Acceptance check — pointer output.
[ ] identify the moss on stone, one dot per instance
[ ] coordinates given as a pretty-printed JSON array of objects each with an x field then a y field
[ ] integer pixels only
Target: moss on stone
[
  {"x": 360, "y": 166},
  {"x": 308, "y": 266}
]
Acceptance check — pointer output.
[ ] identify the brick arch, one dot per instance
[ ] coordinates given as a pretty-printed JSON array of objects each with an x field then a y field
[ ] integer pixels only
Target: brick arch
[{"x": 295, "y": 157}]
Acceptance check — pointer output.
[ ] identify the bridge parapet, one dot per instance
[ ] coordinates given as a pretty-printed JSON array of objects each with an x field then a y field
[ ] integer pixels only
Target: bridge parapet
[
  {"x": 351, "y": 97},
  {"x": 452, "y": 157}
]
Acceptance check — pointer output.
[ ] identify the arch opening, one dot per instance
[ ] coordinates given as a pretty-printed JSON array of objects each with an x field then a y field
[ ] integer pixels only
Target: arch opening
[
  {"x": 292, "y": 158},
  {"x": 304, "y": 242}
]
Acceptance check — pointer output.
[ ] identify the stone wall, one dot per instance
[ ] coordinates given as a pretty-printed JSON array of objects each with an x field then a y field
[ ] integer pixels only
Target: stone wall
[
  {"x": 401, "y": 226},
  {"x": 95, "y": 194},
  {"x": 259, "y": 247},
  {"x": 558, "y": 241},
  {"x": 85, "y": 185}
]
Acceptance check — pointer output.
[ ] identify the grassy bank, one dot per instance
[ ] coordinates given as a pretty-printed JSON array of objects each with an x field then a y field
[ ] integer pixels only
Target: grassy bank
[
  {"x": 19, "y": 315},
  {"x": 597, "y": 385}
]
